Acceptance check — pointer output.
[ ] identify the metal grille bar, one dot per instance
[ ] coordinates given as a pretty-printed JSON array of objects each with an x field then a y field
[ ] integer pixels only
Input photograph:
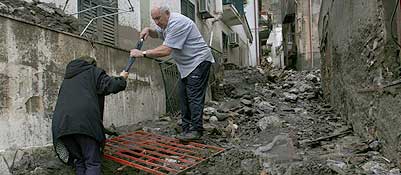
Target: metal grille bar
[
  {"x": 157, "y": 154},
  {"x": 171, "y": 77}
]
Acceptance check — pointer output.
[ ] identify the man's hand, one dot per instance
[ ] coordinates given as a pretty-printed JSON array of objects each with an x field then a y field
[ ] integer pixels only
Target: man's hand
[
  {"x": 145, "y": 33},
  {"x": 124, "y": 74},
  {"x": 136, "y": 53}
]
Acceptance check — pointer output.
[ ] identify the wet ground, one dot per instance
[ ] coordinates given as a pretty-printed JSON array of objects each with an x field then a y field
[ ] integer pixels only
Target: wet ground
[{"x": 270, "y": 122}]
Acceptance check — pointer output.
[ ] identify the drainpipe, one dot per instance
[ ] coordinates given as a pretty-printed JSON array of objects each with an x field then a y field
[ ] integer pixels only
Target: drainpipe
[
  {"x": 310, "y": 31},
  {"x": 256, "y": 31},
  {"x": 399, "y": 22},
  {"x": 214, "y": 20}
]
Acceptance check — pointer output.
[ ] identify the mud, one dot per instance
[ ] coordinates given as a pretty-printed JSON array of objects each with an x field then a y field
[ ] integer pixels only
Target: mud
[{"x": 270, "y": 122}]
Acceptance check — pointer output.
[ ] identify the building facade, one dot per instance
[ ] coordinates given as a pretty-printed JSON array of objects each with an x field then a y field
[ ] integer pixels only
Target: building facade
[
  {"x": 229, "y": 35},
  {"x": 300, "y": 36}
]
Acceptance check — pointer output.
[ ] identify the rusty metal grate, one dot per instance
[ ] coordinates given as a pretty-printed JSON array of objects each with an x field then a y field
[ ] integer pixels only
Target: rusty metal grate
[{"x": 157, "y": 154}]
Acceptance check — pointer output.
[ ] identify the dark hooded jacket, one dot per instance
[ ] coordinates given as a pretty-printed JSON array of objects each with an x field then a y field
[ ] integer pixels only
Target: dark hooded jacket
[{"x": 80, "y": 103}]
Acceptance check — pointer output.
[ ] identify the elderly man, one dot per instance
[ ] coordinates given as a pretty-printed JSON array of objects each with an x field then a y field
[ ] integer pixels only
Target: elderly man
[{"x": 193, "y": 57}]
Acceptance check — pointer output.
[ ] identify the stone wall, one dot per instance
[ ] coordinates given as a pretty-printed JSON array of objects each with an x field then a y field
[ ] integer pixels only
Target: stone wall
[
  {"x": 32, "y": 64},
  {"x": 357, "y": 53}
]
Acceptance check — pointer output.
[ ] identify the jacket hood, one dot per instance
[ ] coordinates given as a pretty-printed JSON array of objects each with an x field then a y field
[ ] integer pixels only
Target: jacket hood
[{"x": 75, "y": 67}]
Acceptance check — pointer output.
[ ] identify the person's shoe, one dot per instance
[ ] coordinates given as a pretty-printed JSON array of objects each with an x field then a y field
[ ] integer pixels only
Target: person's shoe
[
  {"x": 190, "y": 136},
  {"x": 181, "y": 135}
]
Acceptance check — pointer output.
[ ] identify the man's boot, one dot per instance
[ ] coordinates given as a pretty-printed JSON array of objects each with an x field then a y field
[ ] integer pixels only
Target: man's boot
[{"x": 190, "y": 136}]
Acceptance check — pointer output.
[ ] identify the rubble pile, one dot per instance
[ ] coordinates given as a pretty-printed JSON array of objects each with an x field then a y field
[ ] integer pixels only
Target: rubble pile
[
  {"x": 281, "y": 117},
  {"x": 272, "y": 122},
  {"x": 44, "y": 14}
]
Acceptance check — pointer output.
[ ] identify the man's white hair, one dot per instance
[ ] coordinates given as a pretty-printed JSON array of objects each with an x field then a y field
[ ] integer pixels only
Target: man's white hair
[{"x": 164, "y": 8}]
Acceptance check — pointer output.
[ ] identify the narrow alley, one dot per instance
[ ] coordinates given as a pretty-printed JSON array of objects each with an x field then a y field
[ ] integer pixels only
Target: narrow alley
[
  {"x": 296, "y": 87},
  {"x": 269, "y": 121}
]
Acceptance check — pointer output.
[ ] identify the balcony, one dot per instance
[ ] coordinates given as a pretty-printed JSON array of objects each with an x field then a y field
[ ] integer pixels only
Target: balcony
[
  {"x": 233, "y": 10},
  {"x": 234, "y": 14},
  {"x": 238, "y": 4},
  {"x": 265, "y": 27}
]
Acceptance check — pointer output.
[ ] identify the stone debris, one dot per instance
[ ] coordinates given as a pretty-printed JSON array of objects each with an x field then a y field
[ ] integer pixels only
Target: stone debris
[
  {"x": 273, "y": 122},
  {"x": 44, "y": 14},
  {"x": 269, "y": 121}
]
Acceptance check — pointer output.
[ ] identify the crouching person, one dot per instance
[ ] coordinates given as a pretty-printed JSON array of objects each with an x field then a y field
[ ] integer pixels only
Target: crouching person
[{"x": 78, "y": 115}]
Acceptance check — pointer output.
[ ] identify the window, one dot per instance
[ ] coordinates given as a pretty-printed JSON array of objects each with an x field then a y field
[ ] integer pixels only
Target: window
[
  {"x": 188, "y": 9},
  {"x": 101, "y": 29}
]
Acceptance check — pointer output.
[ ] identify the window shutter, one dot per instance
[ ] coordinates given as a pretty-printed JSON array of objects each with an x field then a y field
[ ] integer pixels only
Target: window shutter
[
  {"x": 101, "y": 29},
  {"x": 191, "y": 11},
  {"x": 188, "y": 9}
]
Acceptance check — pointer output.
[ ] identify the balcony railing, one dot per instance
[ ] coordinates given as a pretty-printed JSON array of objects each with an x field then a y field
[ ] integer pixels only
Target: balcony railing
[{"x": 238, "y": 4}]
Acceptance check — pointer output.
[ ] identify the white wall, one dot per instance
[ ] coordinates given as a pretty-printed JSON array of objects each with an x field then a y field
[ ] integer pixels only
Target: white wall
[
  {"x": 131, "y": 19},
  {"x": 250, "y": 15},
  {"x": 174, "y": 5},
  {"x": 276, "y": 39}
]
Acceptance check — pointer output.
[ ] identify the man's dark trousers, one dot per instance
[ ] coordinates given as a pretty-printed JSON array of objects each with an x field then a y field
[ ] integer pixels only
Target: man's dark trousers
[
  {"x": 86, "y": 151},
  {"x": 192, "y": 97}
]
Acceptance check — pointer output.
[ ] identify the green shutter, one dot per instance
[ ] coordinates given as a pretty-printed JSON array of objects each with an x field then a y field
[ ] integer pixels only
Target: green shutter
[
  {"x": 184, "y": 7},
  {"x": 101, "y": 29},
  {"x": 188, "y": 9},
  {"x": 191, "y": 11}
]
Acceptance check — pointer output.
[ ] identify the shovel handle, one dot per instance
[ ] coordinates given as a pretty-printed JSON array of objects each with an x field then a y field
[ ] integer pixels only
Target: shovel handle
[{"x": 131, "y": 60}]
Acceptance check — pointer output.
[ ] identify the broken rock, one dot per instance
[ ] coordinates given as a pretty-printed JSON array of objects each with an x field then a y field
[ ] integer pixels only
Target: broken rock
[
  {"x": 222, "y": 116},
  {"x": 394, "y": 171},
  {"x": 373, "y": 167},
  {"x": 229, "y": 106},
  {"x": 266, "y": 107},
  {"x": 206, "y": 117},
  {"x": 209, "y": 111},
  {"x": 280, "y": 149},
  {"x": 294, "y": 90},
  {"x": 246, "y": 102},
  {"x": 46, "y": 8},
  {"x": 337, "y": 166},
  {"x": 375, "y": 145},
  {"x": 213, "y": 119},
  {"x": 265, "y": 122},
  {"x": 247, "y": 111},
  {"x": 231, "y": 128},
  {"x": 312, "y": 78},
  {"x": 304, "y": 88},
  {"x": 290, "y": 97}
]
